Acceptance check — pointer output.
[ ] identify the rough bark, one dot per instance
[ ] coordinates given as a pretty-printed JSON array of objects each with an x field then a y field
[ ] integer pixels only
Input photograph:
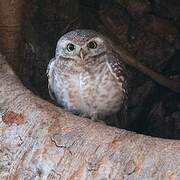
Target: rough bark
[{"x": 41, "y": 141}]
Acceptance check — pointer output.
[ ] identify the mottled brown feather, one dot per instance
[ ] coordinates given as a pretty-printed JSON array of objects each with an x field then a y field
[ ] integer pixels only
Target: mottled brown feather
[{"x": 94, "y": 87}]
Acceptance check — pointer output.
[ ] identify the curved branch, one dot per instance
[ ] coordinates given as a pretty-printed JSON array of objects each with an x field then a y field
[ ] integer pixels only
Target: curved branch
[{"x": 40, "y": 140}]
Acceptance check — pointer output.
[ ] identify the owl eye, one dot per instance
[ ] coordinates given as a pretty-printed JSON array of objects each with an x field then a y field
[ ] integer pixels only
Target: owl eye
[
  {"x": 92, "y": 45},
  {"x": 70, "y": 47}
]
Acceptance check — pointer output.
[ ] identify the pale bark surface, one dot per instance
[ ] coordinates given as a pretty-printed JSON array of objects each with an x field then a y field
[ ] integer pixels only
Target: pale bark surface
[{"x": 41, "y": 141}]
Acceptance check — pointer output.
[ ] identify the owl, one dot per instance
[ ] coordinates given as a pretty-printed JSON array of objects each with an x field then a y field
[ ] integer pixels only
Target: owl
[{"x": 88, "y": 78}]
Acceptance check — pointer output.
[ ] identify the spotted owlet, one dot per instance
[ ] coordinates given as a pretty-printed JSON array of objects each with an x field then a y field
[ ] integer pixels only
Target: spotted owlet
[{"x": 87, "y": 77}]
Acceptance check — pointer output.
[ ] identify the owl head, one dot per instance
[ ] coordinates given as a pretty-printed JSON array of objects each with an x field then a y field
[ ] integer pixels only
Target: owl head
[{"x": 81, "y": 45}]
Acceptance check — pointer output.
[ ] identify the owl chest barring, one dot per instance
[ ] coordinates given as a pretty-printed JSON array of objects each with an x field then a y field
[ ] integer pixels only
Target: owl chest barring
[{"x": 86, "y": 75}]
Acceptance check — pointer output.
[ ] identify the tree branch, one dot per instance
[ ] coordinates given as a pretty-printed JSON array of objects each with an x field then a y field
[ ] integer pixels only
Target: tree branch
[
  {"x": 130, "y": 60},
  {"x": 40, "y": 140}
]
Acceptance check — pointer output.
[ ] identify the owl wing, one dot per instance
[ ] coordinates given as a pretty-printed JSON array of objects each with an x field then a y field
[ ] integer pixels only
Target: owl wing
[
  {"x": 50, "y": 75},
  {"x": 117, "y": 69}
]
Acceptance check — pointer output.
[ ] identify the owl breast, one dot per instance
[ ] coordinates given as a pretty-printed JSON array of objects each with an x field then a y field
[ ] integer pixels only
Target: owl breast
[{"x": 94, "y": 94}]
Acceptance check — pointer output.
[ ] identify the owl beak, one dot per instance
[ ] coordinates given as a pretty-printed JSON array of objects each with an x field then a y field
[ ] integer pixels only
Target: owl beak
[{"x": 82, "y": 54}]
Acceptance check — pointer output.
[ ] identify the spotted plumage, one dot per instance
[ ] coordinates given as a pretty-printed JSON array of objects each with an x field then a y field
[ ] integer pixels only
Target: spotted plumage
[{"x": 87, "y": 78}]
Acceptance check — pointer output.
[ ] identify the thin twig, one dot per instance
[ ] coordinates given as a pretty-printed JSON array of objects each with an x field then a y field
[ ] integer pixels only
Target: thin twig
[{"x": 127, "y": 58}]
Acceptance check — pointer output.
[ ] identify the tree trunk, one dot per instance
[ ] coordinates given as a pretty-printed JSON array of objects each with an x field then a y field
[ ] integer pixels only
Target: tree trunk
[
  {"x": 11, "y": 20},
  {"x": 41, "y": 141}
]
